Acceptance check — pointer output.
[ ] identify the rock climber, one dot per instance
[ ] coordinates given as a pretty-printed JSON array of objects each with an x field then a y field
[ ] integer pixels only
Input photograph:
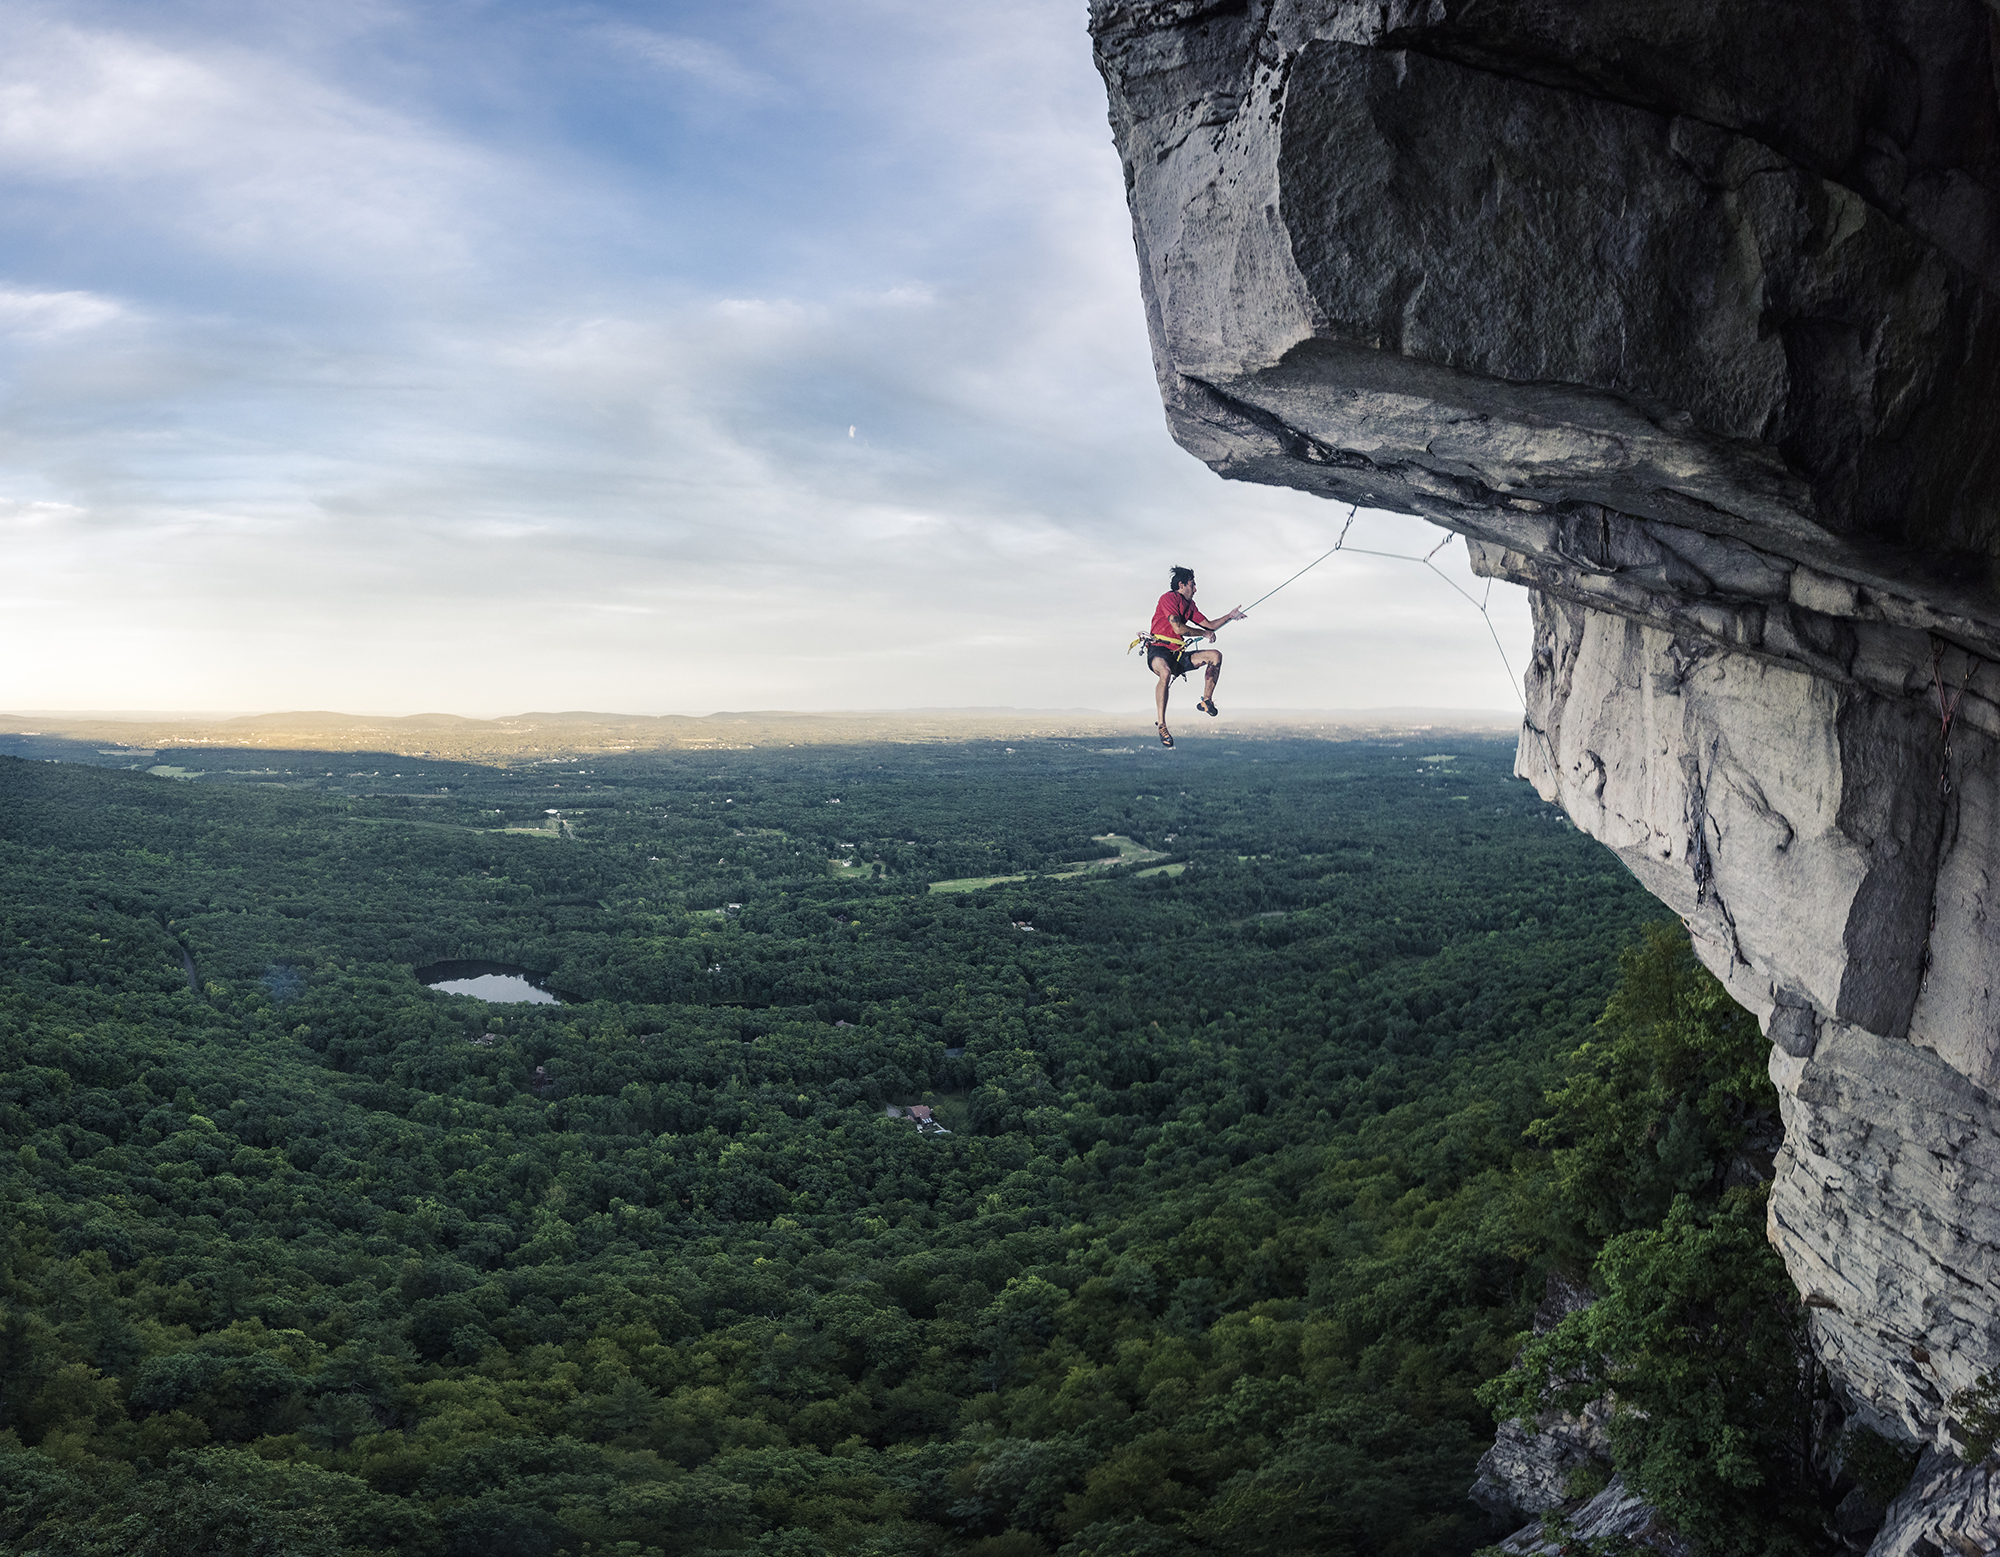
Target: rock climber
[{"x": 1176, "y": 619}]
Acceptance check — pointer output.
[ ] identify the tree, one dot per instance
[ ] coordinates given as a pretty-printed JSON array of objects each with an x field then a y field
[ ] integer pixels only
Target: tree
[
  {"x": 1701, "y": 1340},
  {"x": 1670, "y": 1088}
]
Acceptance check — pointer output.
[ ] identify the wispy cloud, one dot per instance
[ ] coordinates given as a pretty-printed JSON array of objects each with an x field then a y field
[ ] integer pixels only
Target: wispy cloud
[
  {"x": 694, "y": 59},
  {"x": 37, "y": 316},
  {"x": 214, "y": 148}
]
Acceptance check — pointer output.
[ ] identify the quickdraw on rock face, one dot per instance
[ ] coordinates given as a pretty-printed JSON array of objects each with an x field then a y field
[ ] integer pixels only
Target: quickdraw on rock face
[{"x": 1948, "y": 706}]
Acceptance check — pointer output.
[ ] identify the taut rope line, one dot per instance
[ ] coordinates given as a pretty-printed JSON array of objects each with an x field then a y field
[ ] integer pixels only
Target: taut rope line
[
  {"x": 1352, "y": 509},
  {"x": 1362, "y": 551}
]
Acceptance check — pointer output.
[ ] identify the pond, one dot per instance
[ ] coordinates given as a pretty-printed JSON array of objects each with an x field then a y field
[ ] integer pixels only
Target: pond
[{"x": 498, "y": 983}]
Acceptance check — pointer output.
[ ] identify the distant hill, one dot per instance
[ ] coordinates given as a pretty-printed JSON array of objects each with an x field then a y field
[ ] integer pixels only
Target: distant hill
[{"x": 581, "y": 732}]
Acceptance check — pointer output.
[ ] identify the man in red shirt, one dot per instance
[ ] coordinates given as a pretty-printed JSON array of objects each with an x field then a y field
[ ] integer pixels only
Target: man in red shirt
[{"x": 1175, "y": 620}]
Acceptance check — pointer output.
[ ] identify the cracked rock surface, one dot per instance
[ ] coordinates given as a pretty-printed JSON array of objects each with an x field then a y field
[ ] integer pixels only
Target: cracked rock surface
[
  {"x": 1615, "y": 1517},
  {"x": 1948, "y": 1508},
  {"x": 1687, "y": 318},
  {"x": 1529, "y": 1469}
]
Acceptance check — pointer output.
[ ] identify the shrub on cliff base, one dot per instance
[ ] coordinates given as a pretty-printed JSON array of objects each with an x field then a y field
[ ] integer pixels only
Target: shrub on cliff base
[
  {"x": 1881, "y": 1466},
  {"x": 1663, "y": 1097},
  {"x": 1701, "y": 1340},
  {"x": 1978, "y": 1408}
]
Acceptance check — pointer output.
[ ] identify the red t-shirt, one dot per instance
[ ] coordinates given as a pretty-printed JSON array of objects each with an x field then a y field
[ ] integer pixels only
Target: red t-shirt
[{"x": 1173, "y": 604}]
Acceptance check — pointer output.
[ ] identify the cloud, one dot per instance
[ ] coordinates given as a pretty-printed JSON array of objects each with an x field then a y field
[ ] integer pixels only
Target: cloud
[
  {"x": 691, "y": 58},
  {"x": 21, "y": 514},
  {"x": 31, "y": 315},
  {"x": 226, "y": 150},
  {"x": 399, "y": 358}
]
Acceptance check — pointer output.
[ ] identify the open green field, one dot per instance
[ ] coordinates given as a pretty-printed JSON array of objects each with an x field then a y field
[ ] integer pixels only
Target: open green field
[{"x": 1128, "y": 853}]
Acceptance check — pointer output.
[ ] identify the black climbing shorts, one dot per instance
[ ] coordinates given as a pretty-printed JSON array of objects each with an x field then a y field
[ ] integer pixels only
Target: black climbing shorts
[{"x": 1177, "y": 659}]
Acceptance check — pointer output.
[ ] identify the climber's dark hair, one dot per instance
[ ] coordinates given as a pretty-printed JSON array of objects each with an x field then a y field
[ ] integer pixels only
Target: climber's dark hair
[{"x": 1181, "y": 576}]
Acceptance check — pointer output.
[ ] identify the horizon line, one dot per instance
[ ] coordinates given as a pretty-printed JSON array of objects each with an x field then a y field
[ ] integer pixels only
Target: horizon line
[{"x": 970, "y": 711}]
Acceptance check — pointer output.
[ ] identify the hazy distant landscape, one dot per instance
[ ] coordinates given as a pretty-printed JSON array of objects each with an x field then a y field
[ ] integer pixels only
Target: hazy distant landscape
[{"x": 90, "y": 737}]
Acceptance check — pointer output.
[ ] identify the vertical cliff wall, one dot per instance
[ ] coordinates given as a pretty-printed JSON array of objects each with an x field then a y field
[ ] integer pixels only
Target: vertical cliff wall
[{"x": 1685, "y": 316}]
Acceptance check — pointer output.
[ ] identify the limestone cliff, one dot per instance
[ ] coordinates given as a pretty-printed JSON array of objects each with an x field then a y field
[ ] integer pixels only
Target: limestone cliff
[{"x": 1688, "y": 318}]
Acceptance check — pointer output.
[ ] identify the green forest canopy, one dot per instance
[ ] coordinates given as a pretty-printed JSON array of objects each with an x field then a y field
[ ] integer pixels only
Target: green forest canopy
[{"x": 1234, "y": 1216}]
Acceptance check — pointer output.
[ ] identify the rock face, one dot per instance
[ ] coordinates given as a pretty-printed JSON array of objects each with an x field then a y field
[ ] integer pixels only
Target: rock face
[
  {"x": 1533, "y": 1465},
  {"x": 1613, "y": 1517},
  {"x": 1947, "y": 1508},
  {"x": 1688, "y": 318}
]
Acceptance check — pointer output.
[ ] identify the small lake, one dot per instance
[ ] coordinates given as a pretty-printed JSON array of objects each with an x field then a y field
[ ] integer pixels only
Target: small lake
[{"x": 497, "y": 983}]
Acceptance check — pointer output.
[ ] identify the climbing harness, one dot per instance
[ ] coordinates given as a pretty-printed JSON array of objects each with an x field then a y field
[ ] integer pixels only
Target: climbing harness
[{"x": 1174, "y": 648}]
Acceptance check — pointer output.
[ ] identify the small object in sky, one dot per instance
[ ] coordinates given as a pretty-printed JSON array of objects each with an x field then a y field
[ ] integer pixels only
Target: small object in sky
[{"x": 850, "y": 432}]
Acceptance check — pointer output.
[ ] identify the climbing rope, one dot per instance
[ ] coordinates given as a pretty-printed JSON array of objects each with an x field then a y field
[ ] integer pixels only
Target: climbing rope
[
  {"x": 1481, "y": 605},
  {"x": 1351, "y": 510}
]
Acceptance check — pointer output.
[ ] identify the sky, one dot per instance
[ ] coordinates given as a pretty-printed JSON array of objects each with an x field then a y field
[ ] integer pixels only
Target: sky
[{"x": 479, "y": 357}]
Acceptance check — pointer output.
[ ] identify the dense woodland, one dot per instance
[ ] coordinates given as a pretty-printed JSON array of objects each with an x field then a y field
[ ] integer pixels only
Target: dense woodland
[{"x": 1260, "y": 1152}]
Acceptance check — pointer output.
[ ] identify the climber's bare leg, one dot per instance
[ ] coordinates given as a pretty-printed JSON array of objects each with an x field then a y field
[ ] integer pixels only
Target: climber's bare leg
[
  {"x": 1211, "y": 662},
  {"x": 1164, "y": 672}
]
